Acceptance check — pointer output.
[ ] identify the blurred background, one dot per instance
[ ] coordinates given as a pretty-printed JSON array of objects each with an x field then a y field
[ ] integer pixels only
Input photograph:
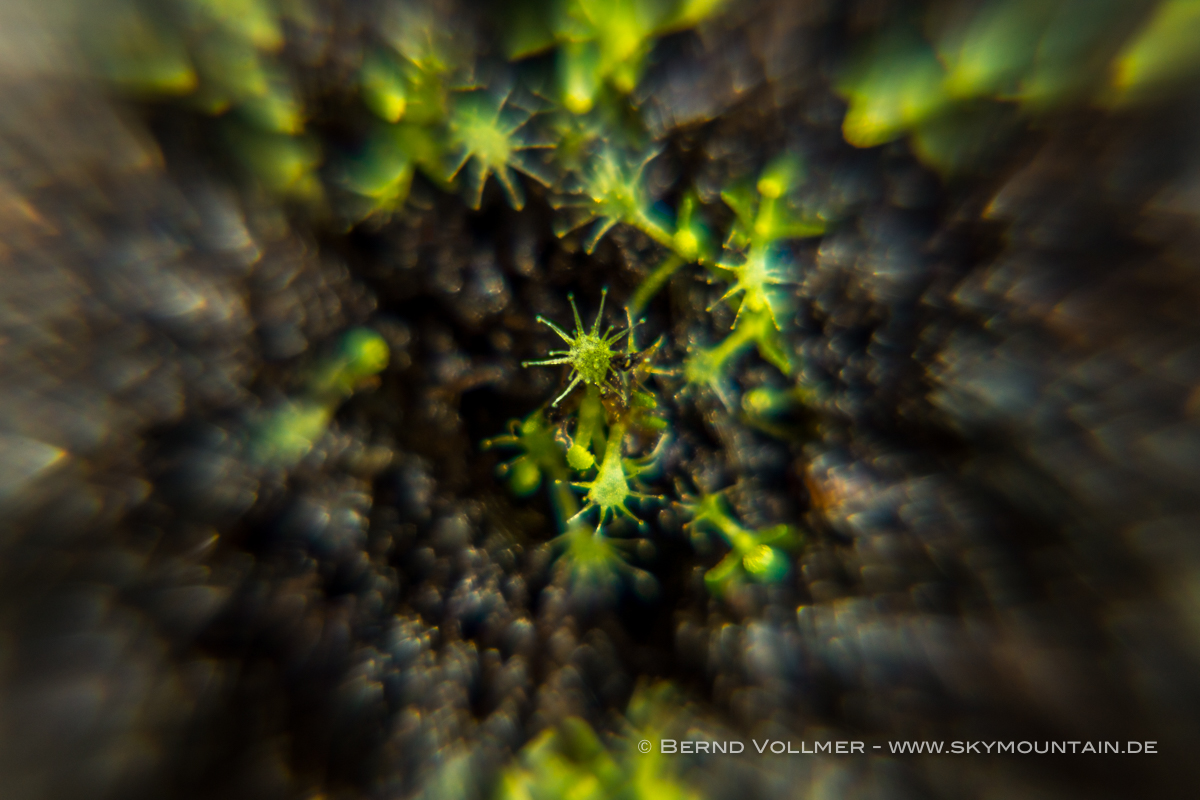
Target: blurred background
[{"x": 268, "y": 271}]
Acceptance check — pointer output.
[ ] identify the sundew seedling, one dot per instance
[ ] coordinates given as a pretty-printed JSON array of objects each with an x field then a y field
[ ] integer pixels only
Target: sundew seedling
[
  {"x": 610, "y": 491},
  {"x": 756, "y": 555},
  {"x": 490, "y": 139},
  {"x": 590, "y": 355}
]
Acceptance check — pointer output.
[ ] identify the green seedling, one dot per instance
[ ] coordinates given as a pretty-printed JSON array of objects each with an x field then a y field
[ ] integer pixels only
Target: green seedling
[
  {"x": 894, "y": 85},
  {"x": 360, "y": 356},
  {"x": 488, "y": 137},
  {"x": 755, "y": 555},
  {"x": 287, "y": 433},
  {"x": 603, "y": 41},
  {"x": 140, "y": 54},
  {"x": 710, "y": 367},
  {"x": 611, "y": 191},
  {"x": 591, "y": 563},
  {"x": 588, "y": 431},
  {"x": 571, "y": 761},
  {"x": 591, "y": 354},
  {"x": 254, "y": 21},
  {"x": 609, "y": 491},
  {"x": 281, "y": 164},
  {"x": 757, "y": 279},
  {"x": 780, "y": 412},
  {"x": 763, "y": 213},
  {"x": 1163, "y": 53},
  {"x": 994, "y": 50},
  {"x": 540, "y": 454},
  {"x": 384, "y": 86},
  {"x": 382, "y": 173},
  {"x": 763, "y": 218},
  {"x": 606, "y": 42}
]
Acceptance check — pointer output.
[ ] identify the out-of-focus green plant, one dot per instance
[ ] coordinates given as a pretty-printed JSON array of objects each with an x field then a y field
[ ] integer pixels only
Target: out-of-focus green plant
[
  {"x": 222, "y": 58},
  {"x": 966, "y": 81},
  {"x": 760, "y": 556},
  {"x": 1161, "y": 55},
  {"x": 711, "y": 367},
  {"x": 599, "y": 42},
  {"x": 488, "y": 138},
  {"x": 572, "y": 761},
  {"x": 540, "y": 454},
  {"x": 894, "y": 85},
  {"x": 610, "y": 191},
  {"x": 594, "y": 566},
  {"x": 286, "y": 433}
]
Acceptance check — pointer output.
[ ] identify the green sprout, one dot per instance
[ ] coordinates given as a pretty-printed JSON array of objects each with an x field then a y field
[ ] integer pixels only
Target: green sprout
[
  {"x": 588, "y": 432},
  {"x": 992, "y": 52},
  {"x": 488, "y": 142},
  {"x": 571, "y": 761},
  {"x": 382, "y": 173},
  {"x": 609, "y": 490},
  {"x": 757, "y": 555},
  {"x": 763, "y": 217},
  {"x": 710, "y": 366},
  {"x": 897, "y": 84},
  {"x": 611, "y": 191},
  {"x": 591, "y": 563},
  {"x": 221, "y": 56},
  {"x": 762, "y": 211},
  {"x": 1162, "y": 54},
  {"x": 613, "y": 403},
  {"x": 590, "y": 354},
  {"x": 756, "y": 279},
  {"x": 140, "y": 54},
  {"x": 540, "y": 454},
  {"x": 288, "y": 432},
  {"x": 383, "y": 84},
  {"x": 601, "y": 42}
]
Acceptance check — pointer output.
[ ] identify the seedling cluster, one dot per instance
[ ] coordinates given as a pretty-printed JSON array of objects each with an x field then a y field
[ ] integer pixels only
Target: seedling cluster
[{"x": 558, "y": 119}]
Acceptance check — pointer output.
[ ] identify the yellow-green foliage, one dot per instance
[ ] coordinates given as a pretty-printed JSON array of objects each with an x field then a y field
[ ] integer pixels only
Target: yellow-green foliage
[
  {"x": 540, "y": 454},
  {"x": 966, "y": 79},
  {"x": 764, "y": 216},
  {"x": 593, "y": 565},
  {"x": 222, "y": 57},
  {"x": 755, "y": 555},
  {"x": 590, "y": 355},
  {"x": 610, "y": 490},
  {"x": 571, "y": 761},
  {"x": 286, "y": 433},
  {"x": 614, "y": 403},
  {"x": 487, "y": 135},
  {"x": 1163, "y": 53},
  {"x": 609, "y": 191},
  {"x": 711, "y": 366},
  {"x": 600, "y": 42}
]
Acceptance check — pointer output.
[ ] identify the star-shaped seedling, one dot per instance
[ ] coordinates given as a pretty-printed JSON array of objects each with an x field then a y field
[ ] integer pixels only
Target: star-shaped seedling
[
  {"x": 712, "y": 366},
  {"x": 610, "y": 490},
  {"x": 758, "y": 277},
  {"x": 594, "y": 565},
  {"x": 590, "y": 355},
  {"x": 540, "y": 454},
  {"x": 758, "y": 555},
  {"x": 611, "y": 191},
  {"x": 489, "y": 140}
]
